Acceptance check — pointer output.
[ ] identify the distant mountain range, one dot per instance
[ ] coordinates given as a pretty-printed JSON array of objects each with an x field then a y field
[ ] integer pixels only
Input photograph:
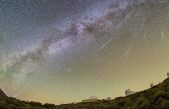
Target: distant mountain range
[{"x": 156, "y": 97}]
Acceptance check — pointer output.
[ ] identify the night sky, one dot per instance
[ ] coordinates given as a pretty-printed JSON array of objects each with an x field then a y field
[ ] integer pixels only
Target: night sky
[{"x": 63, "y": 51}]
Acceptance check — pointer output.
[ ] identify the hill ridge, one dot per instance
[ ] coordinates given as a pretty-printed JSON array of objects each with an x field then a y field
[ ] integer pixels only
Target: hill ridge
[
  {"x": 2, "y": 94},
  {"x": 156, "y": 97}
]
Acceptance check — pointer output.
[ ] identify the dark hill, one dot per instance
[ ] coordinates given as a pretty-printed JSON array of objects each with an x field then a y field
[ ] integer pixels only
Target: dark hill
[
  {"x": 156, "y": 97},
  {"x": 2, "y": 94}
]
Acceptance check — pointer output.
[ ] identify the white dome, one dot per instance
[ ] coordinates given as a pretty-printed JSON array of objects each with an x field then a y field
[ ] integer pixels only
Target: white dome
[{"x": 93, "y": 97}]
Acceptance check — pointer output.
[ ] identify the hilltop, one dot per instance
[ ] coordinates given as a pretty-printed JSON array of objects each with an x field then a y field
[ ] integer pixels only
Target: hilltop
[
  {"x": 2, "y": 94},
  {"x": 156, "y": 97}
]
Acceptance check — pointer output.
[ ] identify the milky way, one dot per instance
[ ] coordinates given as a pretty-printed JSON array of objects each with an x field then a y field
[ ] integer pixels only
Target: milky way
[{"x": 62, "y": 51}]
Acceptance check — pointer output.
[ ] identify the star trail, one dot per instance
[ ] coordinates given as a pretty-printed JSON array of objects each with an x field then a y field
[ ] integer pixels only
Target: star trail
[{"x": 62, "y": 51}]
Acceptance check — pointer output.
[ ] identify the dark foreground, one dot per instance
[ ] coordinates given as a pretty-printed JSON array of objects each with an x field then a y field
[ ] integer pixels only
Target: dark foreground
[{"x": 154, "y": 98}]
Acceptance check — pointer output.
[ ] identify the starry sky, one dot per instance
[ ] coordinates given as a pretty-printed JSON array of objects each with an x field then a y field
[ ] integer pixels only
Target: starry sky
[{"x": 63, "y": 51}]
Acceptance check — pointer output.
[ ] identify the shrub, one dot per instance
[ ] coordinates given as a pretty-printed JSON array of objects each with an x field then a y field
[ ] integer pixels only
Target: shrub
[
  {"x": 46, "y": 105},
  {"x": 165, "y": 104}
]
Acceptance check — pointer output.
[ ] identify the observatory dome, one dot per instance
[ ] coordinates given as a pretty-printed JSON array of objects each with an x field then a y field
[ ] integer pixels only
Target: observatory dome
[{"x": 93, "y": 97}]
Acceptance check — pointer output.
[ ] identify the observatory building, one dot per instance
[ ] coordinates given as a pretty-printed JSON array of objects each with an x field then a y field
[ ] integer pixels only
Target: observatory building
[
  {"x": 108, "y": 98},
  {"x": 91, "y": 99},
  {"x": 129, "y": 92},
  {"x": 168, "y": 75}
]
